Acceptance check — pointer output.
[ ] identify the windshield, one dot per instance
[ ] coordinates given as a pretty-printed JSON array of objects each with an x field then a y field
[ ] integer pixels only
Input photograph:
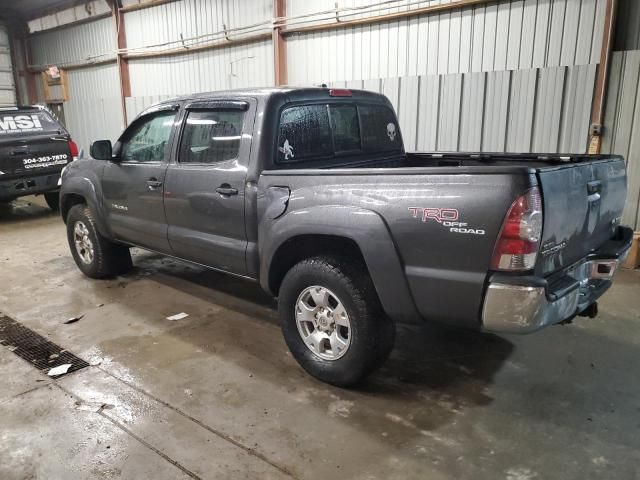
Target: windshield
[{"x": 15, "y": 123}]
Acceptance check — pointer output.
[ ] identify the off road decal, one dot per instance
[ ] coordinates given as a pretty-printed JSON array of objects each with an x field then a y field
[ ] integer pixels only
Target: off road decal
[
  {"x": 20, "y": 123},
  {"x": 447, "y": 217}
]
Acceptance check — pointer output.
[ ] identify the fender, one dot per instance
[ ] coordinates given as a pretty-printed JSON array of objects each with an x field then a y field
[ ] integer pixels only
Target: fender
[
  {"x": 366, "y": 228},
  {"x": 92, "y": 193}
]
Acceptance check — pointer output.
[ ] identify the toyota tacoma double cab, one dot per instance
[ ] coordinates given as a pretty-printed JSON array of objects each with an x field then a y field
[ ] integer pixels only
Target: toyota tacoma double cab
[
  {"x": 34, "y": 148},
  {"x": 310, "y": 192}
]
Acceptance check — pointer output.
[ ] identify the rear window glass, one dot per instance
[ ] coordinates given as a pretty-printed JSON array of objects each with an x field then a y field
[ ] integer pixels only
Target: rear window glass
[
  {"x": 304, "y": 133},
  {"x": 320, "y": 131},
  {"x": 211, "y": 136},
  {"x": 13, "y": 123},
  {"x": 380, "y": 131}
]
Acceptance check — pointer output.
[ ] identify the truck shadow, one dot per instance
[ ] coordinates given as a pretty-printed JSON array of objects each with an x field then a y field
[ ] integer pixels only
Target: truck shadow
[
  {"x": 23, "y": 209},
  {"x": 431, "y": 357}
]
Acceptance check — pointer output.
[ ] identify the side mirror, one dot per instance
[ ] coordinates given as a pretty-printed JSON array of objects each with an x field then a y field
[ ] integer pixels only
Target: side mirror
[{"x": 101, "y": 150}]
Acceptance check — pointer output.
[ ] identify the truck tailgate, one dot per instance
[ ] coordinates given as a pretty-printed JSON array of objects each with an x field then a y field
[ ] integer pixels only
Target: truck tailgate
[
  {"x": 582, "y": 204},
  {"x": 33, "y": 155}
]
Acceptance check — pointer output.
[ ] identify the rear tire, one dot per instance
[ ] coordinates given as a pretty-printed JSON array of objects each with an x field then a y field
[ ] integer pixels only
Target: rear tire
[
  {"x": 94, "y": 255},
  {"x": 53, "y": 200},
  {"x": 366, "y": 335}
]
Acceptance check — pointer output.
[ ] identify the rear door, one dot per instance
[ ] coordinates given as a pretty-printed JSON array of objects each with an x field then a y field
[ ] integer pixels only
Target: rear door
[
  {"x": 583, "y": 204},
  {"x": 205, "y": 186},
  {"x": 31, "y": 143},
  {"x": 133, "y": 183}
]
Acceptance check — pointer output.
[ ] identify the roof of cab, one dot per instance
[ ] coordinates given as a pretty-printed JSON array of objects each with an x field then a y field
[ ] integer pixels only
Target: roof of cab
[{"x": 296, "y": 93}]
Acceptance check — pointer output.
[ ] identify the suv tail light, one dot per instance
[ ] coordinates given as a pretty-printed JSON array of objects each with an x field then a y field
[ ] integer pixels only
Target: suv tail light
[
  {"x": 73, "y": 148},
  {"x": 519, "y": 239}
]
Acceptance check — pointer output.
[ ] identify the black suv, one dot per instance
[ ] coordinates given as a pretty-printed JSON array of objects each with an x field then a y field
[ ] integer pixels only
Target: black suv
[{"x": 34, "y": 148}]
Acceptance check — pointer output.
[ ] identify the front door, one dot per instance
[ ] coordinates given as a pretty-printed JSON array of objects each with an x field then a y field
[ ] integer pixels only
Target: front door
[
  {"x": 205, "y": 187},
  {"x": 133, "y": 183}
]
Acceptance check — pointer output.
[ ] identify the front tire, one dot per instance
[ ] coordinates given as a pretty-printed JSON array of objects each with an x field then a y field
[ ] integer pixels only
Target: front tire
[
  {"x": 53, "y": 200},
  {"x": 332, "y": 320},
  {"x": 94, "y": 255}
]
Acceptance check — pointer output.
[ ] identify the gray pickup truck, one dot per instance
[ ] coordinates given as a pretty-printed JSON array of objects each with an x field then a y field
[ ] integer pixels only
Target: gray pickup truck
[{"x": 311, "y": 193}]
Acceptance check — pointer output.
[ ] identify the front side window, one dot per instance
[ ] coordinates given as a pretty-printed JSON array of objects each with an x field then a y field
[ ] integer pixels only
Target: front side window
[
  {"x": 211, "y": 136},
  {"x": 148, "y": 140}
]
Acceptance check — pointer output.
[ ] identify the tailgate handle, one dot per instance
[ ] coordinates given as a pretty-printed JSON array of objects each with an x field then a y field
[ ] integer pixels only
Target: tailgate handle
[
  {"x": 593, "y": 189},
  {"x": 20, "y": 151}
]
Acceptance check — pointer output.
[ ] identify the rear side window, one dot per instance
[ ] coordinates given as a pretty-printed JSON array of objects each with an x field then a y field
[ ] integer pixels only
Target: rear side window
[
  {"x": 321, "y": 131},
  {"x": 14, "y": 123},
  {"x": 211, "y": 136}
]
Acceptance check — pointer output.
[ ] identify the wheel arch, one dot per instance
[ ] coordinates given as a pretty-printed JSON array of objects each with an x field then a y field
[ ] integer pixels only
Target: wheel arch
[{"x": 355, "y": 232}]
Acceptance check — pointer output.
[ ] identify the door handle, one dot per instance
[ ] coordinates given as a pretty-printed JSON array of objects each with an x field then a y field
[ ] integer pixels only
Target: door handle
[
  {"x": 226, "y": 190},
  {"x": 153, "y": 183}
]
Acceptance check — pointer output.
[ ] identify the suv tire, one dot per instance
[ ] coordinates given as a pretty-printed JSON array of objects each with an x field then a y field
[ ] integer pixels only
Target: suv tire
[
  {"x": 53, "y": 200},
  {"x": 95, "y": 256},
  {"x": 347, "y": 300}
]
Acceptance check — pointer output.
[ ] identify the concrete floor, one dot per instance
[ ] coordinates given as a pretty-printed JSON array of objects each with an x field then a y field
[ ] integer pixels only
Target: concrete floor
[{"x": 217, "y": 395}]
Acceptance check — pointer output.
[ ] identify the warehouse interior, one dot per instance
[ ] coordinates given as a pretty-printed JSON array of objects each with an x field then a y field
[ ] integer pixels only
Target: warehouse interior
[{"x": 216, "y": 393}]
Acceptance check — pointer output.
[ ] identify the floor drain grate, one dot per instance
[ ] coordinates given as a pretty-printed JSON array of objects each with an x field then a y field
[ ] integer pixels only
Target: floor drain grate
[{"x": 34, "y": 348}]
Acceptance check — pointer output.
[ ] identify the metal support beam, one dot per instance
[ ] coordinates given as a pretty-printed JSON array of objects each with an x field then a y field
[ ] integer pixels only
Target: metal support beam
[
  {"x": 279, "y": 45},
  {"x": 600, "y": 93},
  {"x": 123, "y": 63}
]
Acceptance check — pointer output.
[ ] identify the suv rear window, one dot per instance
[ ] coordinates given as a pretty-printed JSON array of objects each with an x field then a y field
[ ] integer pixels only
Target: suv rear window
[
  {"x": 323, "y": 131},
  {"x": 16, "y": 122}
]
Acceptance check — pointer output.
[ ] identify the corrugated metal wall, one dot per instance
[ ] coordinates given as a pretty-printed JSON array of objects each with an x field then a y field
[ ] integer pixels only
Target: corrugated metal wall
[
  {"x": 187, "y": 19},
  {"x": 7, "y": 86},
  {"x": 622, "y": 125},
  {"x": 506, "y": 35},
  {"x": 165, "y": 26},
  {"x": 74, "y": 44},
  {"x": 543, "y": 110},
  {"x": 94, "y": 109},
  {"x": 218, "y": 69}
]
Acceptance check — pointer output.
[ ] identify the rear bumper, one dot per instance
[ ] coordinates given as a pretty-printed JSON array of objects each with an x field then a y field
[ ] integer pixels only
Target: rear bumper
[
  {"x": 21, "y": 186},
  {"x": 527, "y": 304}
]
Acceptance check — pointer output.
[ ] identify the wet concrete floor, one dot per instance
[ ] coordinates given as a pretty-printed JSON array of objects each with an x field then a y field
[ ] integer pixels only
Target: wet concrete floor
[{"x": 217, "y": 395}]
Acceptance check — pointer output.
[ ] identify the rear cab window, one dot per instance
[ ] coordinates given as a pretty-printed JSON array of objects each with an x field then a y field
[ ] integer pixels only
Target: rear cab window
[
  {"x": 15, "y": 122},
  {"x": 326, "y": 133}
]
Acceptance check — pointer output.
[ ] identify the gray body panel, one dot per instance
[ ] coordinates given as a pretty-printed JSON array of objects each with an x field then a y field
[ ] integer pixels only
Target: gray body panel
[{"x": 423, "y": 266}]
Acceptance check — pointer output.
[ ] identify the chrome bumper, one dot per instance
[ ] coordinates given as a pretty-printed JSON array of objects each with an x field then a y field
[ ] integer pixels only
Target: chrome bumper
[{"x": 525, "y": 309}]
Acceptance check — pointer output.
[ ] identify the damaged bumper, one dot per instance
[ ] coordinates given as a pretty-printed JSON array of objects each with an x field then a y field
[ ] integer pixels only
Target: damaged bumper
[{"x": 527, "y": 304}]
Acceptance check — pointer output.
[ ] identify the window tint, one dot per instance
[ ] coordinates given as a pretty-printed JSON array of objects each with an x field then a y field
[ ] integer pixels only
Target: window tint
[
  {"x": 148, "y": 140},
  {"x": 15, "y": 122},
  {"x": 379, "y": 127},
  {"x": 211, "y": 136},
  {"x": 304, "y": 133},
  {"x": 346, "y": 131}
]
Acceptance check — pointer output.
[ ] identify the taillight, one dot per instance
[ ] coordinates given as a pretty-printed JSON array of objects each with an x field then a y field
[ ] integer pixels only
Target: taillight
[
  {"x": 519, "y": 239},
  {"x": 73, "y": 148}
]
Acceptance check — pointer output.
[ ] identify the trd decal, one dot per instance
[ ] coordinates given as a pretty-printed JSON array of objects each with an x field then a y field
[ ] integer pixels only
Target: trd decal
[
  {"x": 437, "y": 214},
  {"x": 447, "y": 217}
]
